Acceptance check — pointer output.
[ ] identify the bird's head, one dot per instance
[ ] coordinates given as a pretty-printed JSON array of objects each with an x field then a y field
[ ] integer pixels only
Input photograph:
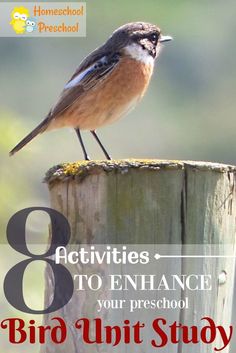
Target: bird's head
[{"x": 139, "y": 40}]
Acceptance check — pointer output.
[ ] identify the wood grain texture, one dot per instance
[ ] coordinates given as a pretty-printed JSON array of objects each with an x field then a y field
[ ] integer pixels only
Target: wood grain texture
[{"x": 154, "y": 202}]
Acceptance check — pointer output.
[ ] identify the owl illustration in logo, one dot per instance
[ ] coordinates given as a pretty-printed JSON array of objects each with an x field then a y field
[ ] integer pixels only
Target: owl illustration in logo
[
  {"x": 19, "y": 16},
  {"x": 30, "y": 25}
]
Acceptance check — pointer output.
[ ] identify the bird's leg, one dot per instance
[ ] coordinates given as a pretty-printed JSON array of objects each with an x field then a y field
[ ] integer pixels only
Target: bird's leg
[
  {"x": 93, "y": 132},
  {"x": 86, "y": 157}
]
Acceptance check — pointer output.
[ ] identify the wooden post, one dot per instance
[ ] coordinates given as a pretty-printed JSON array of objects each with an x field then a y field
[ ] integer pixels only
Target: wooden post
[{"x": 154, "y": 202}]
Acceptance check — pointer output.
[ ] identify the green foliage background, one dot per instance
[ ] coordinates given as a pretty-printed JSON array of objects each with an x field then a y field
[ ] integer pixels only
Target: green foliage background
[{"x": 188, "y": 112}]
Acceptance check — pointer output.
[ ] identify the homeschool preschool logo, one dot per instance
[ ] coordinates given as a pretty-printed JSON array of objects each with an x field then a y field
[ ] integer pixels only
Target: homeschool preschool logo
[
  {"x": 43, "y": 19},
  {"x": 21, "y": 21}
]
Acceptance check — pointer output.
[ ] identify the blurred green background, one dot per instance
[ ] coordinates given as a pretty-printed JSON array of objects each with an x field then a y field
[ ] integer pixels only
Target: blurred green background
[{"x": 187, "y": 113}]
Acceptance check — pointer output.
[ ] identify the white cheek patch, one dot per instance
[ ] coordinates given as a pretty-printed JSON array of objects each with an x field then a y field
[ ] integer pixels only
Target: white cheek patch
[
  {"x": 77, "y": 79},
  {"x": 139, "y": 54}
]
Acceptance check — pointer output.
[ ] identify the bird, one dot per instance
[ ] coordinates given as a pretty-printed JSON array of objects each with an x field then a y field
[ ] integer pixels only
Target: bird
[{"x": 108, "y": 83}]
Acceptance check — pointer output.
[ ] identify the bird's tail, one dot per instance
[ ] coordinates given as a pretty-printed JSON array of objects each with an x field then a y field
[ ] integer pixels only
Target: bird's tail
[{"x": 39, "y": 129}]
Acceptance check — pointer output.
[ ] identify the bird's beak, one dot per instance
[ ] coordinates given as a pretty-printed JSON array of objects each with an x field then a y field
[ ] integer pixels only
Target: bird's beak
[{"x": 165, "y": 39}]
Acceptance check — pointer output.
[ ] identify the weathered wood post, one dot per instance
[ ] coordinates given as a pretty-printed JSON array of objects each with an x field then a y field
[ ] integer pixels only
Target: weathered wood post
[{"x": 154, "y": 202}]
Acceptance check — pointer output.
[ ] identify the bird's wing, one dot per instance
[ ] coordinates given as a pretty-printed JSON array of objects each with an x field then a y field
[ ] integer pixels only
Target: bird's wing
[{"x": 83, "y": 80}]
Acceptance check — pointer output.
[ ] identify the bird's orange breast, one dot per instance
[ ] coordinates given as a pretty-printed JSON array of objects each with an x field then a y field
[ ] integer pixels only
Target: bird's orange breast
[{"x": 111, "y": 98}]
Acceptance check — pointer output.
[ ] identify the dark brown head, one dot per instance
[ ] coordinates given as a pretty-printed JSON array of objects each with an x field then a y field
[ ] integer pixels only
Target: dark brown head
[{"x": 138, "y": 39}]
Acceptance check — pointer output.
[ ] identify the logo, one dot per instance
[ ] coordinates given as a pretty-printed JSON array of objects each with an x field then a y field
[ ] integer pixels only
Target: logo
[
  {"x": 21, "y": 21},
  {"x": 43, "y": 19}
]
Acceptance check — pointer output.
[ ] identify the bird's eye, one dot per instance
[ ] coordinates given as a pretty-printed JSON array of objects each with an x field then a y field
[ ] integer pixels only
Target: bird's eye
[
  {"x": 154, "y": 37},
  {"x": 28, "y": 23}
]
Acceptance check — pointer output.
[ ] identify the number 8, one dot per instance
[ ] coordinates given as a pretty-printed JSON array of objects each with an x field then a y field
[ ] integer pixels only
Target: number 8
[{"x": 63, "y": 282}]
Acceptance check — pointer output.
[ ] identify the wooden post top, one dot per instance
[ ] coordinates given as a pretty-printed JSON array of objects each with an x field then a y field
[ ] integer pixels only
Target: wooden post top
[{"x": 79, "y": 170}]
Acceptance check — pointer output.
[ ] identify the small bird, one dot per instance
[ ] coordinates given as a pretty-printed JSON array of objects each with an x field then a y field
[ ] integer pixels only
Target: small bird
[{"x": 108, "y": 83}]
